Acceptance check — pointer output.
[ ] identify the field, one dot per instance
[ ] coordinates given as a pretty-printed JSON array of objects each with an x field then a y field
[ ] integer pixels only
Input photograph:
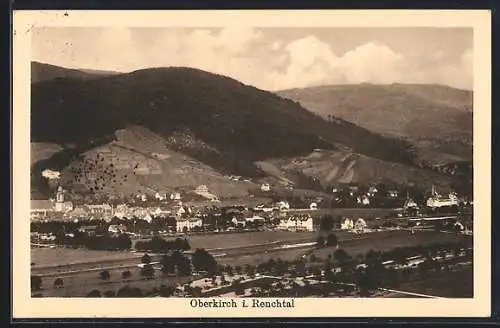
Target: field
[
  {"x": 59, "y": 256},
  {"x": 81, "y": 284},
  {"x": 227, "y": 240},
  {"x": 387, "y": 240}
]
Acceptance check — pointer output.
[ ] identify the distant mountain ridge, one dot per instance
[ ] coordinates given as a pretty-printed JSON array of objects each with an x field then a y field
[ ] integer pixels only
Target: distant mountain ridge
[
  {"x": 45, "y": 72},
  {"x": 222, "y": 125},
  {"x": 435, "y": 117}
]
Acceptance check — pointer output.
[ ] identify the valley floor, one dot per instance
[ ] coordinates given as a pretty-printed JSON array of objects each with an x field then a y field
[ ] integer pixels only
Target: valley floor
[{"x": 80, "y": 268}]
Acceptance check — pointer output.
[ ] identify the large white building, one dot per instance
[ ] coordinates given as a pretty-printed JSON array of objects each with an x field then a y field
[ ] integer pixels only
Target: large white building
[
  {"x": 436, "y": 200},
  {"x": 187, "y": 224},
  {"x": 297, "y": 223}
]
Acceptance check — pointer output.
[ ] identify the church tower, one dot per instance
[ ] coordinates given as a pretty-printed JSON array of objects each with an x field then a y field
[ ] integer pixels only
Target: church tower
[{"x": 60, "y": 199}]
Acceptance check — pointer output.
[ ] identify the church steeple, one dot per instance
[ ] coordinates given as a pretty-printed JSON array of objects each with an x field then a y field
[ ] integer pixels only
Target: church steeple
[
  {"x": 60, "y": 195},
  {"x": 60, "y": 199}
]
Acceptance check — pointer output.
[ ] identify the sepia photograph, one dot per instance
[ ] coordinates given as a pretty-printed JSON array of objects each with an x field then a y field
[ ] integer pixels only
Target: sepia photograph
[{"x": 252, "y": 166}]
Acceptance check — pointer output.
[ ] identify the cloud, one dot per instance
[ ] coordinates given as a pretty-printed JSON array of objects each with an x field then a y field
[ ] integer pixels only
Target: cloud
[
  {"x": 312, "y": 62},
  {"x": 250, "y": 55}
]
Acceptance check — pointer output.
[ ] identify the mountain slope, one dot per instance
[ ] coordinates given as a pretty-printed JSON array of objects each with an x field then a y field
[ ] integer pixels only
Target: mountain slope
[
  {"x": 44, "y": 72},
  {"x": 435, "y": 118},
  {"x": 136, "y": 160},
  {"x": 336, "y": 168},
  {"x": 240, "y": 124}
]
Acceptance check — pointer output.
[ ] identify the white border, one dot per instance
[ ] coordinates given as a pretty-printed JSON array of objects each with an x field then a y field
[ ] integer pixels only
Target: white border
[{"x": 480, "y": 20}]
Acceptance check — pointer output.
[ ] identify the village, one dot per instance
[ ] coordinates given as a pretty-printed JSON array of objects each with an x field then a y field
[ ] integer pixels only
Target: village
[
  {"x": 239, "y": 238},
  {"x": 214, "y": 216}
]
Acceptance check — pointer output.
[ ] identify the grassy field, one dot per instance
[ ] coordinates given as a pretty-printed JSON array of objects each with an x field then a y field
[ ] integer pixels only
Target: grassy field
[
  {"x": 58, "y": 256},
  {"x": 226, "y": 240},
  {"x": 387, "y": 240},
  {"x": 81, "y": 284}
]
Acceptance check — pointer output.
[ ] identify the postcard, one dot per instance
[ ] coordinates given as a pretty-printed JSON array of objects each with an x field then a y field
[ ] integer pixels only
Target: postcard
[{"x": 237, "y": 164}]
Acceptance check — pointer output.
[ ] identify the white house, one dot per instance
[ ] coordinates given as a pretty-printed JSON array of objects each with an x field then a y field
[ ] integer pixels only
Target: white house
[
  {"x": 117, "y": 228},
  {"x": 255, "y": 218},
  {"x": 283, "y": 205},
  {"x": 160, "y": 196},
  {"x": 410, "y": 203},
  {"x": 297, "y": 223},
  {"x": 347, "y": 224},
  {"x": 393, "y": 193},
  {"x": 363, "y": 200},
  {"x": 188, "y": 224},
  {"x": 440, "y": 201},
  {"x": 239, "y": 222},
  {"x": 50, "y": 174},
  {"x": 360, "y": 225},
  {"x": 313, "y": 206},
  {"x": 175, "y": 196},
  {"x": 265, "y": 187}
]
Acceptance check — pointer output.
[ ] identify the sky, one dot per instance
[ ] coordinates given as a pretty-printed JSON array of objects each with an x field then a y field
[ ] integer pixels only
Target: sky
[{"x": 270, "y": 58}]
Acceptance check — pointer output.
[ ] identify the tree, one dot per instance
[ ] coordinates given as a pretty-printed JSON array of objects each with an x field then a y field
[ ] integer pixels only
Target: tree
[
  {"x": 146, "y": 259},
  {"x": 184, "y": 266},
  {"x": 204, "y": 261},
  {"x": 148, "y": 271},
  {"x": 104, "y": 275},
  {"x": 166, "y": 291},
  {"x": 126, "y": 274},
  {"x": 127, "y": 291},
  {"x": 249, "y": 270},
  {"x": 326, "y": 223},
  {"x": 58, "y": 283},
  {"x": 109, "y": 293},
  {"x": 167, "y": 264},
  {"x": 185, "y": 245},
  {"x": 320, "y": 242},
  {"x": 331, "y": 240},
  {"x": 94, "y": 293},
  {"x": 300, "y": 268},
  {"x": 341, "y": 255},
  {"x": 36, "y": 282}
]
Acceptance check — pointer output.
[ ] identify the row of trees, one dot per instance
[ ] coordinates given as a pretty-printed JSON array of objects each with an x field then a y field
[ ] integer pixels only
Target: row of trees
[
  {"x": 128, "y": 291},
  {"x": 103, "y": 241},
  {"x": 160, "y": 245}
]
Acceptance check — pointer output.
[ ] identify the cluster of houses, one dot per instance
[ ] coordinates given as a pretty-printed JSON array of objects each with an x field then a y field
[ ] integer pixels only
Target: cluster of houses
[
  {"x": 186, "y": 218},
  {"x": 357, "y": 226}
]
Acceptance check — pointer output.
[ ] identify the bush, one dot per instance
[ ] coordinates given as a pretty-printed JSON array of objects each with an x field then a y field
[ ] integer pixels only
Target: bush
[
  {"x": 148, "y": 271},
  {"x": 104, "y": 275},
  {"x": 331, "y": 240},
  {"x": 94, "y": 293},
  {"x": 36, "y": 282},
  {"x": 58, "y": 283},
  {"x": 126, "y": 275},
  {"x": 109, "y": 293},
  {"x": 146, "y": 259}
]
